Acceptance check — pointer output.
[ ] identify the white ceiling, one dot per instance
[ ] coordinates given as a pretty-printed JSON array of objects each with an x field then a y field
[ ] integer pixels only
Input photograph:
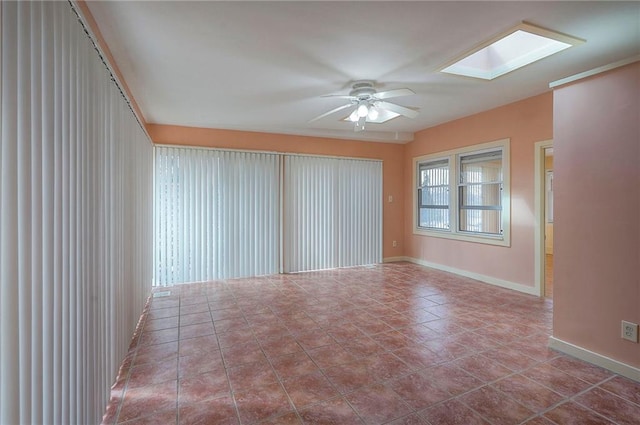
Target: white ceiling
[{"x": 262, "y": 66}]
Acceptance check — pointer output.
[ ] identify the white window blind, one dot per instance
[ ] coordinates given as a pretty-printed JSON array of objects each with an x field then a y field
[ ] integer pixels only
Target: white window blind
[
  {"x": 75, "y": 229},
  {"x": 480, "y": 192},
  {"x": 332, "y": 212},
  {"x": 216, "y": 214},
  {"x": 434, "y": 194}
]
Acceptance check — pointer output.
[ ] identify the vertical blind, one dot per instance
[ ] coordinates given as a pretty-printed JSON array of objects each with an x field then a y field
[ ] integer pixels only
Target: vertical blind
[
  {"x": 75, "y": 228},
  {"x": 332, "y": 212},
  {"x": 216, "y": 214}
]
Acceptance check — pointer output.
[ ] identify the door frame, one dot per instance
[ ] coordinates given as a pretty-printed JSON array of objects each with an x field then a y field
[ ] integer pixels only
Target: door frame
[{"x": 539, "y": 214}]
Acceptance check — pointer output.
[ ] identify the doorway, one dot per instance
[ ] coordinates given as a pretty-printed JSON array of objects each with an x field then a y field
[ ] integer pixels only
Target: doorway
[
  {"x": 548, "y": 222},
  {"x": 544, "y": 218}
]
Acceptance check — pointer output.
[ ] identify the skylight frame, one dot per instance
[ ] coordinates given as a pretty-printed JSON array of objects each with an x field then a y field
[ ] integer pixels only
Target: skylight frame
[{"x": 514, "y": 64}]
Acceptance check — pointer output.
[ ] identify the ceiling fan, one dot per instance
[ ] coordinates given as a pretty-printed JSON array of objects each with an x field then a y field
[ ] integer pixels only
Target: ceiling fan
[{"x": 370, "y": 105}]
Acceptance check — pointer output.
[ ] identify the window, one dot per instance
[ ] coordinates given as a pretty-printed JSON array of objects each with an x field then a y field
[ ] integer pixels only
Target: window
[
  {"x": 464, "y": 194},
  {"x": 433, "y": 194},
  {"x": 479, "y": 192}
]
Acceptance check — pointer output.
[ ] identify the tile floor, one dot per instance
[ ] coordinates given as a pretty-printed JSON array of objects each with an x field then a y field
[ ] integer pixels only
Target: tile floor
[{"x": 389, "y": 344}]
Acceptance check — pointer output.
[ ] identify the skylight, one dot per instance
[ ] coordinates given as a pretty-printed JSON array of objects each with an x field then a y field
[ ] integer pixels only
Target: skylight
[{"x": 507, "y": 52}]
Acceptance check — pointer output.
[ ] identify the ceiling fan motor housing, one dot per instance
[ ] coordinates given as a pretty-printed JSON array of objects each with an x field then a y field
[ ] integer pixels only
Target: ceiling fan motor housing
[{"x": 362, "y": 90}]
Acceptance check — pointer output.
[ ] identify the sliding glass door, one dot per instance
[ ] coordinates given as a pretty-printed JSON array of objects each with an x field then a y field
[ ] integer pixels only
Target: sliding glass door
[
  {"x": 332, "y": 212},
  {"x": 225, "y": 214},
  {"x": 216, "y": 214}
]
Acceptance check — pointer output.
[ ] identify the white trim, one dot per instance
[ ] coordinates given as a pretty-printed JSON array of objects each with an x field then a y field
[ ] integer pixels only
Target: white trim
[
  {"x": 608, "y": 363},
  {"x": 593, "y": 72},
  {"x": 394, "y": 259},
  {"x": 480, "y": 277},
  {"x": 281, "y": 253},
  {"x": 539, "y": 207},
  {"x": 444, "y": 234}
]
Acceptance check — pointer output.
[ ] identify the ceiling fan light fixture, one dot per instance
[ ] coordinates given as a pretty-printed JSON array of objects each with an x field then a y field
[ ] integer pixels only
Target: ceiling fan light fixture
[
  {"x": 373, "y": 114},
  {"x": 363, "y": 110},
  {"x": 384, "y": 115}
]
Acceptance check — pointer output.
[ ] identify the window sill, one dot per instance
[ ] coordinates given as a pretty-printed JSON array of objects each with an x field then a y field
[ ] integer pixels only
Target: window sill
[{"x": 485, "y": 239}]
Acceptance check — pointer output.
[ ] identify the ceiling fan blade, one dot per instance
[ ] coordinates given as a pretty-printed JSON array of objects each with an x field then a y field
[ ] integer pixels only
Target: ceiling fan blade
[
  {"x": 339, "y": 96},
  {"x": 393, "y": 93},
  {"x": 409, "y": 113},
  {"x": 333, "y": 111}
]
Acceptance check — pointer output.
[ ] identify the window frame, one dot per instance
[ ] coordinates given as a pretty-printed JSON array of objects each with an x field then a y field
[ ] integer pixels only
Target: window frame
[
  {"x": 483, "y": 156},
  {"x": 435, "y": 161},
  {"x": 454, "y": 159}
]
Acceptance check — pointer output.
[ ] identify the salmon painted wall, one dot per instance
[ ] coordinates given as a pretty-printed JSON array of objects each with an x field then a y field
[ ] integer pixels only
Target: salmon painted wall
[
  {"x": 597, "y": 212},
  {"x": 525, "y": 123},
  {"x": 391, "y": 154}
]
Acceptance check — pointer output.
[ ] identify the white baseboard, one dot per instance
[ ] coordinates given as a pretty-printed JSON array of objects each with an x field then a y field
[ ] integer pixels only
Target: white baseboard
[
  {"x": 394, "y": 259},
  {"x": 531, "y": 290},
  {"x": 616, "y": 366}
]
